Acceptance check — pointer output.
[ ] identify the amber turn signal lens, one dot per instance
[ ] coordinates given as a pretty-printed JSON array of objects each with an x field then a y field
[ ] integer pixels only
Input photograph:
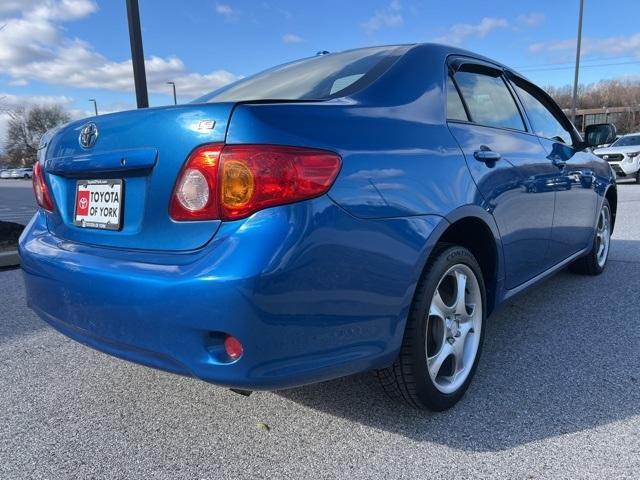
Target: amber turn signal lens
[{"x": 237, "y": 184}]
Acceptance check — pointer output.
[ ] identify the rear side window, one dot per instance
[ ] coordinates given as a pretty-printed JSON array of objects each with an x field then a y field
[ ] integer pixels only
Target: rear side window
[
  {"x": 455, "y": 108},
  {"x": 544, "y": 123},
  {"x": 489, "y": 100},
  {"x": 316, "y": 78}
]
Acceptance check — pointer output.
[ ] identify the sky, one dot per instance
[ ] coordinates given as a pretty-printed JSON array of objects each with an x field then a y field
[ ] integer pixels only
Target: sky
[{"x": 68, "y": 51}]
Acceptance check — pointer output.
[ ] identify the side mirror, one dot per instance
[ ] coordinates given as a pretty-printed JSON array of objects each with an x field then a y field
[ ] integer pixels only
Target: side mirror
[{"x": 599, "y": 134}]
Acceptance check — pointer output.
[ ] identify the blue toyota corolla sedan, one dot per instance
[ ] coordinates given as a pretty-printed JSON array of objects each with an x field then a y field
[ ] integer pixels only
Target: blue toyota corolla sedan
[{"x": 363, "y": 210}]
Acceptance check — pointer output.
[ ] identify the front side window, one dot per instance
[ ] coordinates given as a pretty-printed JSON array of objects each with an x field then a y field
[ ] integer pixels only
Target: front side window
[
  {"x": 544, "y": 123},
  {"x": 489, "y": 100}
]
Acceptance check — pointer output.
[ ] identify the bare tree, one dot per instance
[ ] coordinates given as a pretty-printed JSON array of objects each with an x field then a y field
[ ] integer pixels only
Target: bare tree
[
  {"x": 26, "y": 126},
  {"x": 605, "y": 94}
]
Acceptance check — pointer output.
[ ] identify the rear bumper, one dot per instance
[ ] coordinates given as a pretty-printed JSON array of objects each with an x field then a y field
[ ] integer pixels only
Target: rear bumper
[{"x": 309, "y": 299}]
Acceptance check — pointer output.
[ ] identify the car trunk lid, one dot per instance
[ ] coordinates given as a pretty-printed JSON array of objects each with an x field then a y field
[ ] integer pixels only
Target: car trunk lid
[{"x": 143, "y": 150}]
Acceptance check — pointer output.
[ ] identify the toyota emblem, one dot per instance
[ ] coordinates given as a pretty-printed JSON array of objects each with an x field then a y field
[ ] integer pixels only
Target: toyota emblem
[{"x": 88, "y": 135}]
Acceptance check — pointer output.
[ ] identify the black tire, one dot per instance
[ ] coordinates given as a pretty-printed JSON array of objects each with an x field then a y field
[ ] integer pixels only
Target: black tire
[
  {"x": 590, "y": 263},
  {"x": 408, "y": 378}
]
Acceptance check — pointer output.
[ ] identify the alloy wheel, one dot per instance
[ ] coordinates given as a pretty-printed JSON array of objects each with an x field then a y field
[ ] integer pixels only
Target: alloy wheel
[
  {"x": 453, "y": 328},
  {"x": 603, "y": 236}
]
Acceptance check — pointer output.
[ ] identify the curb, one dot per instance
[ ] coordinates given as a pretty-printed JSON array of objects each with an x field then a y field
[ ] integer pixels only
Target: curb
[{"x": 9, "y": 259}]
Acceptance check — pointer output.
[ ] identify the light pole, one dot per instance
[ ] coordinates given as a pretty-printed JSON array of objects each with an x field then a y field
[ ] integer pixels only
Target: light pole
[
  {"x": 574, "y": 100},
  {"x": 173, "y": 84},
  {"x": 137, "y": 54},
  {"x": 95, "y": 105}
]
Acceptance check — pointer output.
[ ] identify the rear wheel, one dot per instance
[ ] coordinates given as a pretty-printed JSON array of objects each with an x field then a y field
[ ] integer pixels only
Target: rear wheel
[
  {"x": 594, "y": 262},
  {"x": 444, "y": 333}
]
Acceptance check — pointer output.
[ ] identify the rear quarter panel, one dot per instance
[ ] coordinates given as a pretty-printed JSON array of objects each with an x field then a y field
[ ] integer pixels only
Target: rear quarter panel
[
  {"x": 399, "y": 158},
  {"x": 399, "y": 161}
]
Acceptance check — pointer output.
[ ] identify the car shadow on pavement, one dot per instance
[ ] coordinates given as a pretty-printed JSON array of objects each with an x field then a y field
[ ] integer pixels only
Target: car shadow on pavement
[{"x": 561, "y": 358}]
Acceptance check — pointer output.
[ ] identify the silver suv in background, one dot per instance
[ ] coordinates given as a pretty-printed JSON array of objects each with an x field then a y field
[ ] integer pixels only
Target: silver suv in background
[{"x": 624, "y": 156}]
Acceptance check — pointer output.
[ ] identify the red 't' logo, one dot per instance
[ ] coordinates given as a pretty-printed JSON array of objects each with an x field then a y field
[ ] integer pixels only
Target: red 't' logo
[{"x": 82, "y": 207}]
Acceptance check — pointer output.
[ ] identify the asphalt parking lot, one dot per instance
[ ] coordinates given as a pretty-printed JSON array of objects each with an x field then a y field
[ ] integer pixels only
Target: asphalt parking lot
[
  {"x": 17, "y": 203},
  {"x": 557, "y": 395}
]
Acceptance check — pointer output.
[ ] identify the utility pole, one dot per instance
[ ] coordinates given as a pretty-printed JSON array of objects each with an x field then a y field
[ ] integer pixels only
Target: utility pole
[
  {"x": 137, "y": 54},
  {"x": 95, "y": 105},
  {"x": 574, "y": 100},
  {"x": 173, "y": 84}
]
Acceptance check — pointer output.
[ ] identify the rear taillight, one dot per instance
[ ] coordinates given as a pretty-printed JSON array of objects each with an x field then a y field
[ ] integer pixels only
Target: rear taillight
[
  {"x": 40, "y": 188},
  {"x": 235, "y": 181},
  {"x": 194, "y": 196}
]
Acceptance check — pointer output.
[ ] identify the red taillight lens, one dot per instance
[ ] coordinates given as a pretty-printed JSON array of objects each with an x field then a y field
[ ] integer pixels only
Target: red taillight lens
[
  {"x": 235, "y": 181},
  {"x": 40, "y": 188},
  {"x": 253, "y": 177},
  {"x": 194, "y": 196}
]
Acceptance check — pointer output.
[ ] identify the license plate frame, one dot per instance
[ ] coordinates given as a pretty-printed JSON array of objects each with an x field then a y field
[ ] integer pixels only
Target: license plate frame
[{"x": 112, "y": 186}]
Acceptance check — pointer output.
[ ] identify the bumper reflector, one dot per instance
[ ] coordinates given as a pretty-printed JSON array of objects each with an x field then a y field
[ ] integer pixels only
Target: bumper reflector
[{"x": 233, "y": 347}]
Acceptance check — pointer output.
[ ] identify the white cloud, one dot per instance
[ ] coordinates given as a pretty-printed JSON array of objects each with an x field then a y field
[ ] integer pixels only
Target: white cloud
[
  {"x": 617, "y": 46},
  {"x": 227, "y": 11},
  {"x": 62, "y": 9},
  {"x": 196, "y": 84},
  {"x": 532, "y": 19},
  {"x": 12, "y": 6},
  {"x": 33, "y": 47},
  {"x": 8, "y": 100},
  {"x": 458, "y": 33},
  {"x": 388, "y": 17},
  {"x": 292, "y": 38}
]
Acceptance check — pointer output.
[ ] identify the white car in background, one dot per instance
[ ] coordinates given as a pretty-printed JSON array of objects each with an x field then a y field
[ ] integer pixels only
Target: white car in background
[
  {"x": 22, "y": 173},
  {"x": 624, "y": 156}
]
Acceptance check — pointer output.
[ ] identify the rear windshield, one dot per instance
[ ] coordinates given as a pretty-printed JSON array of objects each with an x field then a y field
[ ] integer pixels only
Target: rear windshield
[{"x": 316, "y": 78}]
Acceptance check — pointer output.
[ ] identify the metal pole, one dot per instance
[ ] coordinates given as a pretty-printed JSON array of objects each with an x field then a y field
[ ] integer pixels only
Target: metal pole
[
  {"x": 574, "y": 100},
  {"x": 137, "y": 54},
  {"x": 95, "y": 105},
  {"x": 173, "y": 84}
]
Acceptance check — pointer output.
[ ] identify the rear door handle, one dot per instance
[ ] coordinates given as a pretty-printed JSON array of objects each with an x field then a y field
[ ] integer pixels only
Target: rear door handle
[{"x": 485, "y": 154}]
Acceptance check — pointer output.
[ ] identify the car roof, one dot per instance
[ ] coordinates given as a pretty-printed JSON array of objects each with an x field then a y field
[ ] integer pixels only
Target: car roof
[
  {"x": 447, "y": 50},
  {"x": 440, "y": 47}
]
